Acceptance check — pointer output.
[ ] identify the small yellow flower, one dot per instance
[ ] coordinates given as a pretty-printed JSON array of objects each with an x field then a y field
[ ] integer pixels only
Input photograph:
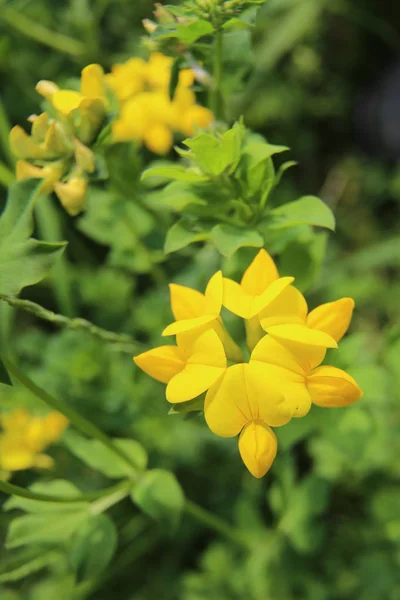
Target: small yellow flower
[{"x": 24, "y": 437}]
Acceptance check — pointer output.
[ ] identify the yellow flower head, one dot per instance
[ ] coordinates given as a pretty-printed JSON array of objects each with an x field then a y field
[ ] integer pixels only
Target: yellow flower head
[
  {"x": 283, "y": 376},
  {"x": 24, "y": 437}
]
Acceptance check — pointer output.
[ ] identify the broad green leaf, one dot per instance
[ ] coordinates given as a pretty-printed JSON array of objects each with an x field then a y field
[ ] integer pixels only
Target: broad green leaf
[
  {"x": 26, "y": 564},
  {"x": 56, "y": 487},
  {"x": 45, "y": 528},
  {"x": 176, "y": 196},
  {"x": 228, "y": 239},
  {"x": 159, "y": 495},
  {"x": 179, "y": 236},
  {"x": 94, "y": 454},
  {"x": 308, "y": 210},
  {"x": 187, "y": 33},
  {"x": 23, "y": 260},
  {"x": 214, "y": 155},
  {"x": 92, "y": 546},
  {"x": 4, "y": 376},
  {"x": 173, "y": 172},
  {"x": 258, "y": 167},
  {"x": 236, "y": 24}
]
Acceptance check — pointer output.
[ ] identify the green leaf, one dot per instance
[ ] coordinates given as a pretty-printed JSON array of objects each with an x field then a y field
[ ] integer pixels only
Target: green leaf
[
  {"x": 46, "y": 528},
  {"x": 176, "y": 196},
  {"x": 94, "y": 454},
  {"x": 282, "y": 170},
  {"x": 23, "y": 260},
  {"x": 180, "y": 235},
  {"x": 159, "y": 495},
  {"x": 228, "y": 239},
  {"x": 308, "y": 210},
  {"x": 174, "y": 79},
  {"x": 4, "y": 376},
  {"x": 187, "y": 33},
  {"x": 212, "y": 154},
  {"x": 56, "y": 487},
  {"x": 236, "y": 24},
  {"x": 93, "y": 546},
  {"x": 196, "y": 405},
  {"x": 173, "y": 172}
]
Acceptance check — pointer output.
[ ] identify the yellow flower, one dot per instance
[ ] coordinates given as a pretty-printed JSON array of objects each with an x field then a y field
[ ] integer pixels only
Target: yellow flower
[
  {"x": 283, "y": 377},
  {"x": 72, "y": 194},
  {"x": 65, "y": 101},
  {"x": 24, "y": 437}
]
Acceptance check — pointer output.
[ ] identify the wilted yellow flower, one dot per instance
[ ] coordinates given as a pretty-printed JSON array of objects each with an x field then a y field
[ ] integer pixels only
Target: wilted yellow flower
[
  {"x": 24, "y": 437},
  {"x": 283, "y": 376},
  {"x": 147, "y": 113}
]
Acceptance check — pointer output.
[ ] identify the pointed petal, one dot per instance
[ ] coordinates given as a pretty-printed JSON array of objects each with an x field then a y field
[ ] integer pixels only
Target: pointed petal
[
  {"x": 162, "y": 363},
  {"x": 241, "y": 396},
  {"x": 302, "y": 334},
  {"x": 205, "y": 365},
  {"x": 92, "y": 82},
  {"x": 188, "y": 325},
  {"x": 332, "y": 318},
  {"x": 332, "y": 387},
  {"x": 295, "y": 357},
  {"x": 289, "y": 307},
  {"x": 236, "y": 299},
  {"x": 272, "y": 293},
  {"x": 186, "y": 303},
  {"x": 260, "y": 274},
  {"x": 214, "y": 294},
  {"x": 65, "y": 101},
  {"x": 258, "y": 447}
]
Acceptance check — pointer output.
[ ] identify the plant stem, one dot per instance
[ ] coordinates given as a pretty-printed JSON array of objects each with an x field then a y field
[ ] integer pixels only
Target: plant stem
[
  {"x": 38, "y": 32},
  {"x": 16, "y": 490},
  {"x": 81, "y": 324},
  {"x": 216, "y": 94},
  {"x": 50, "y": 231},
  {"x": 72, "y": 415},
  {"x": 5, "y": 127},
  {"x": 6, "y": 176},
  {"x": 214, "y": 522}
]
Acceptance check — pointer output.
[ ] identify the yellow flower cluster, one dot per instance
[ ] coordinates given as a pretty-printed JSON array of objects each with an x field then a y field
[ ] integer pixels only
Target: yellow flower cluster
[
  {"x": 146, "y": 111},
  {"x": 59, "y": 147},
  {"x": 283, "y": 376},
  {"x": 24, "y": 437}
]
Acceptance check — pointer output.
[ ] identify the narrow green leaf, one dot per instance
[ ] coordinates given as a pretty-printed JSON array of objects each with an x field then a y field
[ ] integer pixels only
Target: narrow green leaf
[
  {"x": 228, "y": 239},
  {"x": 236, "y": 24},
  {"x": 308, "y": 210},
  {"x": 56, "y": 487},
  {"x": 179, "y": 236},
  {"x": 174, "y": 79},
  {"x": 4, "y": 376},
  {"x": 196, "y": 405},
  {"x": 173, "y": 172},
  {"x": 159, "y": 495},
  {"x": 97, "y": 456},
  {"x": 93, "y": 546}
]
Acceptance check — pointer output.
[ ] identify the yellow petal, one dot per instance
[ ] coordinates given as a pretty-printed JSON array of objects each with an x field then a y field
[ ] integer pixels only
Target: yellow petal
[
  {"x": 258, "y": 447},
  {"x": 295, "y": 357},
  {"x": 158, "y": 138},
  {"x": 205, "y": 365},
  {"x": 259, "y": 274},
  {"x": 188, "y": 325},
  {"x": 43, "y": 461},
  {"x": 23, "y": 146},
  {"x": 332, "y": 318},
  {"x": 72, "y": 195},
  {"x": 186, "y": 303},
  {"x": 14, "y": 455},
  {"x": 302, "y": 335},
  {"x": 289, "y": 307},
  {"x": 195, "y": 116},
  {"x": 92, "y": 82},
  {"x": 241, "y": 395},
  {"x": 332, "y": 387},
  {"x": 46, "y": 88},
  {"x": 162, "y": 363},
  {"x": 270, "y": 295},
  {"x": 214, "y": 294},
  {"x": 236, "y": 299},
  {"x": 65, "y": 101}
]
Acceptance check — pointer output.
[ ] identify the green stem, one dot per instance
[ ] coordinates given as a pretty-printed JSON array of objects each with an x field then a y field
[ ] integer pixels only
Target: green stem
[
  {"x": 5, "y": 127},
  {"x": 213, "y": 522},
  {"x": 72, "y": 415},
  {"x": 128, "y": 343},
  {"x": 50, "y": 231},
  {"x": 216, "y": 94},
  {"x": 16, "y": 490},
  {"x": 36, "y": 31},
  {"x": 6, "y": 176}
]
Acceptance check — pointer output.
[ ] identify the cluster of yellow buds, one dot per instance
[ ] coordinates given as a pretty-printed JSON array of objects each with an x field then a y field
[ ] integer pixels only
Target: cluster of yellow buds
[
  {"x": 58, "y": 149},
  {"x": 24, "y": 437},
  {"x": 147, "y": 113},
  {"x": 283, "y": 376},
  {"x": 135, "y": 93}
]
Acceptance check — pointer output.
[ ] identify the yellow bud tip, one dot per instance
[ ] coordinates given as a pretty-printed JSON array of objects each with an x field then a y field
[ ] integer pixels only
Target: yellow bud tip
[
  {"x": 258, "y": 447},
  {"x": 46, "y": 88}
]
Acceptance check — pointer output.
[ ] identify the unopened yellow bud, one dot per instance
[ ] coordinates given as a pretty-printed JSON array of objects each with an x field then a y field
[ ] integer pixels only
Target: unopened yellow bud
[
  {"x": 46, "y": 88},
  {"x": 40, "y": 124},
  {"x": 257, "y": 447},
  {"x": 72, "y": 195},
  {"x": 23, "y": 146},
  {"x": 84, "y": 157},
  {"x": 50, "y": 174},
  {"x": 149, "y": 26}
]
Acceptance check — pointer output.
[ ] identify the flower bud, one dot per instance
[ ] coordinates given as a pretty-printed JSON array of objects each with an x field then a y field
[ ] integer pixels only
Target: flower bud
[{"x": 72, "y": 195}]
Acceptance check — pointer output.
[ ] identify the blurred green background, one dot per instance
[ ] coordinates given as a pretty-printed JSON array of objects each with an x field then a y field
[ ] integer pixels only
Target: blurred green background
[{"x": 323, "y": 78}]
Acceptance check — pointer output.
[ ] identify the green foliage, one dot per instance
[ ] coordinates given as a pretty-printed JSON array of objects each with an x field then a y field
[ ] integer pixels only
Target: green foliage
[{"x": 23, "y": 260}]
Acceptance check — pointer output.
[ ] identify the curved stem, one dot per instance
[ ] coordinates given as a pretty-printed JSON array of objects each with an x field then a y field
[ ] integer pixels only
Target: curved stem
[
  {"x": 16, "y": 490},
  {"x": 216, "y": 95},
  {"x": 216, "y": 523},
  {"x": 72, "y": 415},
  {"x": 129, "y": 343}
]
